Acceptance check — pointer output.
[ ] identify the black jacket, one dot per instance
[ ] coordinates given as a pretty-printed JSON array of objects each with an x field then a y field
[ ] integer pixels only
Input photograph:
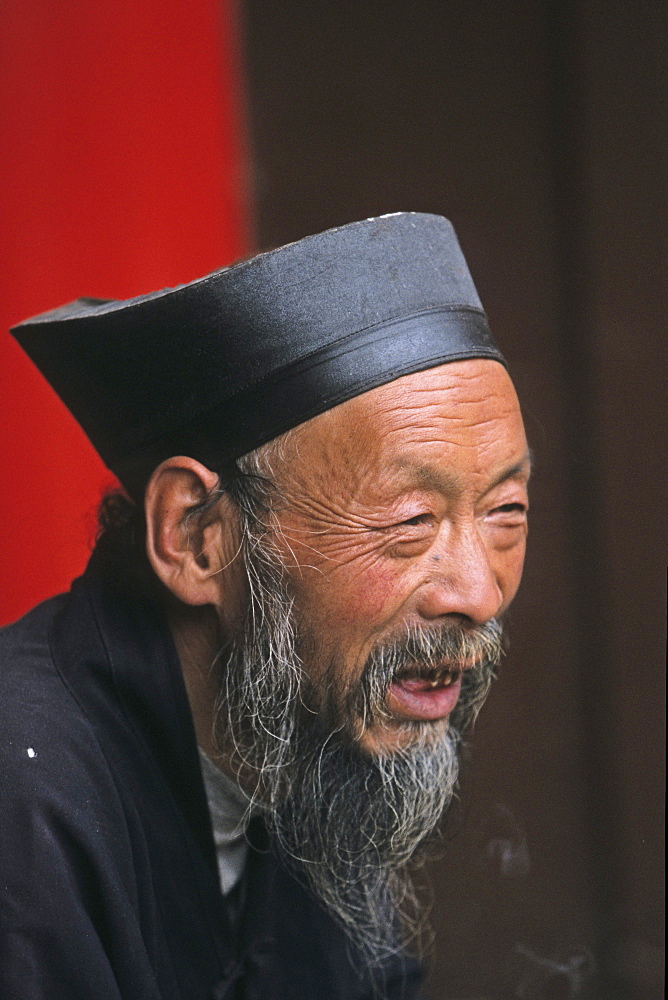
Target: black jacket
[{"x": 108, "y": 879}]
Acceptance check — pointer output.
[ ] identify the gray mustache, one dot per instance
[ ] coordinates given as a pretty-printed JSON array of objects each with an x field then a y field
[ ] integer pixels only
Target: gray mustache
[{"x": 425, "y": 650}]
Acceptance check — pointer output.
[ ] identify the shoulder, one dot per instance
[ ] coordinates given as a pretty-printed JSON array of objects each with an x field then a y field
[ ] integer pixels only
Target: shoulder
[
  {"x": 24, "y": 647},
  {"x": 64, "y": 846},
  {"x": 50, "y": 760},
  {"x": 32, "y": 696},
  {"x": 35, "y": 705},
  {"x": 29, "y": 634}
]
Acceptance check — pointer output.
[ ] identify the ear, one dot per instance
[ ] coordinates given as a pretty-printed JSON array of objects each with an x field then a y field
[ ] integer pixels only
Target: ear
[{"x": 188, "y": 556}]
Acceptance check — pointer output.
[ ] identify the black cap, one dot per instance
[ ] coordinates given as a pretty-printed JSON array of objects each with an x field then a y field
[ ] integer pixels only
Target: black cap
[{"x": 219, "y": 366}]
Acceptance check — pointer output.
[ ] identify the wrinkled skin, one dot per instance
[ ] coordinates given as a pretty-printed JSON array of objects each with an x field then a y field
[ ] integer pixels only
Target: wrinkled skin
[
  {"x": 398, "y": 516},
  {"x": 404, "y": 506}
]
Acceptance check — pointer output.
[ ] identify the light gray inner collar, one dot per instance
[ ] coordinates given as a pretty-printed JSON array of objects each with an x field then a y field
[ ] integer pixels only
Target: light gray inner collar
[{"x": 228, "y": 806}]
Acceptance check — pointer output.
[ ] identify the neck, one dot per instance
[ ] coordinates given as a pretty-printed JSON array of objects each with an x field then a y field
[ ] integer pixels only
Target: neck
[{"x": 196, "y": 634}]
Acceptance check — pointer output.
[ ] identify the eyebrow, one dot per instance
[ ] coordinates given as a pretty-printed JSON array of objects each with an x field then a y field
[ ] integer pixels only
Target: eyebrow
[
  {"x": 519, "y": 469},
  {"x": 443, "y": 482}
]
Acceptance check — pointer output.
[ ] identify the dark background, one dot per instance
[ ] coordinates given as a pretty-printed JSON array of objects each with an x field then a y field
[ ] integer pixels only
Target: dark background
[{"x": 538, "y": 129}]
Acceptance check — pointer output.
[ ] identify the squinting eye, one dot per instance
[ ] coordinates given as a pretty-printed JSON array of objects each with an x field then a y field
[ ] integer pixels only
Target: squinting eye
[
  {"x": 509, "y": 515},
  {"x": 415, "y": 522},
  {"x": 412, "y": 536}
]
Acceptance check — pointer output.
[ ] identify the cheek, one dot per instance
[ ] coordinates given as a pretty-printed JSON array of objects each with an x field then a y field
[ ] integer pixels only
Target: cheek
[
  {"x": 510, "y": 573},
  {"x": 356, "y": 604},
  {"x": 345, "y": 582}
]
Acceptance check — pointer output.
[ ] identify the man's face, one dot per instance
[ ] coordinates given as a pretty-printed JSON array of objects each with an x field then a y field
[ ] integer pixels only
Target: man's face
[
  {"x": 404, "y": 509},
  {"x": 371, "y": 579}
]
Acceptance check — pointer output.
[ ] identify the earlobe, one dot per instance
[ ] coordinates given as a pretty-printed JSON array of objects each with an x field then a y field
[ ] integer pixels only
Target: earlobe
[{"x": 184, "y": 550}]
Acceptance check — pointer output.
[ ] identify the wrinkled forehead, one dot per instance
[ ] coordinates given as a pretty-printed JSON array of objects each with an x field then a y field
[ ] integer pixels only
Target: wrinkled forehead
[{"x": 463, "y": 415}]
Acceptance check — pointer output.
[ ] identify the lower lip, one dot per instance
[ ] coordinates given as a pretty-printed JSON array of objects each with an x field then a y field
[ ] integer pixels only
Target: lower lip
[{"x": 411, "y": 700}]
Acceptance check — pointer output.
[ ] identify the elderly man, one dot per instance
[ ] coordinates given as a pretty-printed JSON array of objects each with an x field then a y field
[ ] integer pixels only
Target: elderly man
[{"x": 222, "y": 750}]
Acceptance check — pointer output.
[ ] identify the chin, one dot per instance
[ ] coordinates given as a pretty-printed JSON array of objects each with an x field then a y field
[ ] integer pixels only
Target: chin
[{"x": 391, "y": 736}]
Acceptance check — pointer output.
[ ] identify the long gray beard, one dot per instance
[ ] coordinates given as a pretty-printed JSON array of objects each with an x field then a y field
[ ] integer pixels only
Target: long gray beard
[{"x": 346, "y": 822}]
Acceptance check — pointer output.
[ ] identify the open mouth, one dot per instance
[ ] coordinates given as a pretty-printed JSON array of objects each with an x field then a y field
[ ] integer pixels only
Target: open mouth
[
  {"x": 417, "y": 694},
  {"x": 434, "y": 679}
]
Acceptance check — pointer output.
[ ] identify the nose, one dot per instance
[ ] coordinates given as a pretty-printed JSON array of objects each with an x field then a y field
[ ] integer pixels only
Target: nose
[{"x": 462, "y": 583}]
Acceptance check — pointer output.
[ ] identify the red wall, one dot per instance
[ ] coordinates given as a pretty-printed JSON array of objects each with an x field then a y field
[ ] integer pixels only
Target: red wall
[{"x": 121, "y": 157}]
